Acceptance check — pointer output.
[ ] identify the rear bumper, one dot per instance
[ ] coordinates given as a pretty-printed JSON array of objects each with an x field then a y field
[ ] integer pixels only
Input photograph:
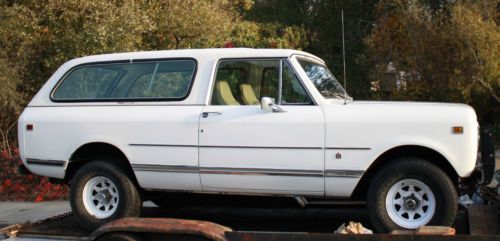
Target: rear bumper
[
  {"x": 43, "y": 167},
  {"x": 23, "y": 170}
]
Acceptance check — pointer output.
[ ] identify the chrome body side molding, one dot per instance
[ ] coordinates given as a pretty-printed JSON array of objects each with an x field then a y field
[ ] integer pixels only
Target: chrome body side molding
[
  {"x": 247, "y": 171},
  {"x": 261, "y": 171},
  {"x": 344, "y": 173},
  {"x": 164, "y": 168},
  {"x": 348, "y": 148}
]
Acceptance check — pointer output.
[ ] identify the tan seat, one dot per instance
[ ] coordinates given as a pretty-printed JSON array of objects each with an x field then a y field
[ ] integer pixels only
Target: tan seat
[
  {"x": 223, "y": 94},
  {"x": 248, "y": 95}
]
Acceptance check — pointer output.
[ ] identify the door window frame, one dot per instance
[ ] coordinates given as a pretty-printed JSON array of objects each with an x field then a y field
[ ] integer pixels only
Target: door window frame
[{"x": 282, "y": 60}]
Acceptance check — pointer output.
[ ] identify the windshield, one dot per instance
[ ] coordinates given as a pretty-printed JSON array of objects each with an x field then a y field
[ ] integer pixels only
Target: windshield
[{"x": 323, "y": 79}]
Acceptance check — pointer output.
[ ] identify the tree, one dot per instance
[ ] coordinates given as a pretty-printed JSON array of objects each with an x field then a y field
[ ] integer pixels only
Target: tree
[
  {"x": 444, "y": 55},
  {"x": 10, "y": 105},
  {"x": 320, "y": 23},
  {"x": 177, "y": 24}
]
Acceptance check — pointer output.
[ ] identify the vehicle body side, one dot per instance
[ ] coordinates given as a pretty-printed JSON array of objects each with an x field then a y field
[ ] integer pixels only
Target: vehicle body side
[{"x": 163, "y": 142}]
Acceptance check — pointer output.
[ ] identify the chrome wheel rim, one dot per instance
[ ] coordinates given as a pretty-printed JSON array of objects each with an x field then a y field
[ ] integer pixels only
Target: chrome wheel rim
[
  {"x": 410, "y": 203},
  {"x": 100, "y": 197}
]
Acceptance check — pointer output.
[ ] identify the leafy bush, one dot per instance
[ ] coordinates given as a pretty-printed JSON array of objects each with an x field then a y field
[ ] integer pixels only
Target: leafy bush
[{"x": 16, "y": 187}]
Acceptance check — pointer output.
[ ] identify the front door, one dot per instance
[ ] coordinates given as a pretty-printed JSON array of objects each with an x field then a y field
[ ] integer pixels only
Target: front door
[{"x": 245, "y": 149}]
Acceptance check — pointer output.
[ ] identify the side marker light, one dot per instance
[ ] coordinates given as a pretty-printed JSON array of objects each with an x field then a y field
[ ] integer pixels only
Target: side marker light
[{"x": 458, "y": 130}]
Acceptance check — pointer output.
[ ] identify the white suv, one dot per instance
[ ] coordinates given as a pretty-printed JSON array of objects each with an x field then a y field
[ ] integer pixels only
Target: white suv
[{"x": 119, "y": 127}]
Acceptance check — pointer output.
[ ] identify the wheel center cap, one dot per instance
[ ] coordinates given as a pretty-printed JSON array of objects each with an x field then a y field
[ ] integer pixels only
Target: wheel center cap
[
  {"x": 104, "y": 196},
  {"x": 411, "y": 202}
]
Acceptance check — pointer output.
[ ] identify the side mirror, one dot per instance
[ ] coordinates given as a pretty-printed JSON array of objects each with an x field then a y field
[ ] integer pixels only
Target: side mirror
[{"x": 268, "y": 104}]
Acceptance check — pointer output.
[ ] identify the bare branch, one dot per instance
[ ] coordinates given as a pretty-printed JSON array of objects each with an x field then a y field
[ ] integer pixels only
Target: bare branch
[
  {"x": 9, "y": 150},
  {"x": 481, "y": 81}
]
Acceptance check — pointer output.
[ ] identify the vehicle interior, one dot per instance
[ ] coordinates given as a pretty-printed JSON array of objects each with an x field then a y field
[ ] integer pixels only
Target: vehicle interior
[{"x": 245, "y": 82}]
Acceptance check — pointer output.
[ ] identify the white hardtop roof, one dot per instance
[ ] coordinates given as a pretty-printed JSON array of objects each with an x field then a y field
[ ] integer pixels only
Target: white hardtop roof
[{"x": 194, "y": 53}]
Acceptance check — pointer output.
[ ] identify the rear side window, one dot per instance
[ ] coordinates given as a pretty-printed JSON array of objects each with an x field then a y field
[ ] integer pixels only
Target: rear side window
[{"x": 165, "y": 80}]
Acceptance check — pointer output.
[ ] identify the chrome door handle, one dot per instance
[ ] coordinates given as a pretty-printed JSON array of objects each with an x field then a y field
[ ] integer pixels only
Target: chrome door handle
[{"x": 206, "y": 114}]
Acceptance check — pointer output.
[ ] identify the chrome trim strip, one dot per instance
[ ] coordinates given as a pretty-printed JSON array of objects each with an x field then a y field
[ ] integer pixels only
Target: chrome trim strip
[
  {"x": 164, "y": 168},
  {"x": 55, "y": 163},
  {"x": 97, "y": 104},
  {"x": 247, "y": 171},
  {"x": 242, "y": 147},
  {"x": 344, "y": 173},
  {"x": 347, "y": 148},
  {"x": 261, "y": 171},
  {"x": 280, "y": 82},
  {"x": 164, "y": 145},
  {"x": 266, "y": 147}
]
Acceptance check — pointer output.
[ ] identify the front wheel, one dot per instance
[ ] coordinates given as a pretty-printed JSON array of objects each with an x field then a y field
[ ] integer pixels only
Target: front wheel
[
  {"x": 101, "y": 192},
  {"x": 410, "y": 193}
]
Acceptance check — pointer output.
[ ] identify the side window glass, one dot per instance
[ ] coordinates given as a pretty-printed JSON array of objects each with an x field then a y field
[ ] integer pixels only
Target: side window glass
[
  {"x": 270, "y": 82},
  {"x": 169, "y": 80},
  {"x": 245, "y": 82},
  {"x": 293, "y": 93},
  {"x": 130, "y": 85},
  {"x": 86, "y": 83}
]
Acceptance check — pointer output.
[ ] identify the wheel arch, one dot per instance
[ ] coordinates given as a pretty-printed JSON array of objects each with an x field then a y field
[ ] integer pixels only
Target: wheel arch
[
  {"x": 98, "y": 151},
  {"x": 426, "y": 153}
]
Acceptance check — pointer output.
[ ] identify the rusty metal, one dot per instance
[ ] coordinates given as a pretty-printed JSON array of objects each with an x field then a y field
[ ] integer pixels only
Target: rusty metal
[
  {"x": 55, "y": 218},
  {"x": 67, "y": 227},
  {"x": 11, "y": 230},
  {"x": 62, "y": 226},
  {"x": 206, "y": 229},
  {"x": 428, "y": 230},
  {"x": 251, "y": 236}
]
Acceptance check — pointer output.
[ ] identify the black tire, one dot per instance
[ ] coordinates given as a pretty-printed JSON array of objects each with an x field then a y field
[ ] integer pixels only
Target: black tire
[
  {"x": 129, "y": 204},
  {"x": 407, "y": 169}
]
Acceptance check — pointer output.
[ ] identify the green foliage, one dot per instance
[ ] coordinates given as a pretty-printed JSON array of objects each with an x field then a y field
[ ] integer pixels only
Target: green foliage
[
  {"x": 450, "y": 54},
  {"x": 189, "y": 23},
  {"x": 266, "y": 35},
  {"x": 41, "y": 35}
]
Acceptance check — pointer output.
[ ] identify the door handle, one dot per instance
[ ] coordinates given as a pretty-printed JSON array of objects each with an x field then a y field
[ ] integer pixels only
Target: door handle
[{"x": 206, "y": 114}]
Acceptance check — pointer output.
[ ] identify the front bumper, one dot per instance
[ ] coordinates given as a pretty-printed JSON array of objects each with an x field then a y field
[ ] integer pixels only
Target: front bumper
[{"x": 486, "y": 162}]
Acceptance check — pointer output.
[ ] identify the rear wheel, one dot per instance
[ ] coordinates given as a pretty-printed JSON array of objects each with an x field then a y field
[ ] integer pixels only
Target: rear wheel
[
  {"x": 410, "y": 193},
  {"x": 101, "y": 192}
]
